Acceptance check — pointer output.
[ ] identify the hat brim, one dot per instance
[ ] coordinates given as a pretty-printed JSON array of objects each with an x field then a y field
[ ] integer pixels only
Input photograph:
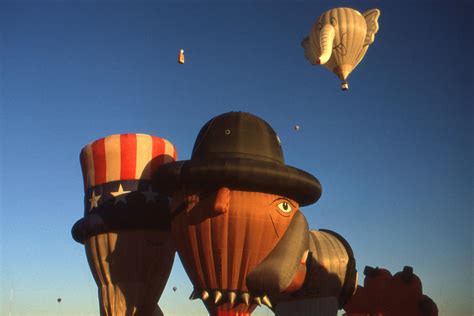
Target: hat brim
[
  {"x": 239, "y": 173},
  {"x": 136, "y": 214}
]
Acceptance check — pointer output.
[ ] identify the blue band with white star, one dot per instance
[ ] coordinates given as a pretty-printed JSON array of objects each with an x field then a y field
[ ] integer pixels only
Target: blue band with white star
[
  {"x": 119, "y": 191},
  {"x": 119, "y": 205}
]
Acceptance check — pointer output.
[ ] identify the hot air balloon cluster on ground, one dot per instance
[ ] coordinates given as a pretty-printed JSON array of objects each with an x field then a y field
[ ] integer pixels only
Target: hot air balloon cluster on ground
[{"x": 232, "y": 212}]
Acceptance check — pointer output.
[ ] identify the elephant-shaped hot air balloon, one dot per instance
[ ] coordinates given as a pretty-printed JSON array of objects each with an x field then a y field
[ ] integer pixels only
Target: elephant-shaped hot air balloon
[
  {"x": 126, "y": 226},
  {"x": 234, "y": 203},
  {"x": 339, "y": 40}
]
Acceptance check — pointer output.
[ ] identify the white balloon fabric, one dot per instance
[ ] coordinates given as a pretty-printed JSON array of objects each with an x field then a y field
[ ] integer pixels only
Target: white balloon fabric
[{"x": 339, "y": 40}]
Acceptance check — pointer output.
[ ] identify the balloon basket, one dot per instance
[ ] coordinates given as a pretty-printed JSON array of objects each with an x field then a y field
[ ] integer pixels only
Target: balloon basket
[{"x": 344, "y": 85}]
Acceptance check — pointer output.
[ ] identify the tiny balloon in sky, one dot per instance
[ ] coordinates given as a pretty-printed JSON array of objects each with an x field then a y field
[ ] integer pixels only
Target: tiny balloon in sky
[
  {"x": 181, "y": 56},
  {"x": 296, "y": 128}
]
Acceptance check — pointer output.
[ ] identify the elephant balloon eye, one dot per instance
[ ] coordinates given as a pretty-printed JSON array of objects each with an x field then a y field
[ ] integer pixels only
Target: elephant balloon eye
[
  {"x": 333, "y": 21},
  {"x": 284, "y": 207}
]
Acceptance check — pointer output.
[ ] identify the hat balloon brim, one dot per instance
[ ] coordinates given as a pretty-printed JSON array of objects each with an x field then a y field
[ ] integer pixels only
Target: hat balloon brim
[{"x": 239, "y": 173}]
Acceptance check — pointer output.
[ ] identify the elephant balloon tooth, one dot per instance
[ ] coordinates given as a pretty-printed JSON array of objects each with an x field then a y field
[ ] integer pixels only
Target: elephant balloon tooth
[
  {"x": 232, "y": 297},
  {"x": 257, "y": 300},
  {"x": 246, "y": 298},
  {"x": 194, "y": 295},
  {"x": 217, "y": 296},
  {"x": 266, "y": 301}
]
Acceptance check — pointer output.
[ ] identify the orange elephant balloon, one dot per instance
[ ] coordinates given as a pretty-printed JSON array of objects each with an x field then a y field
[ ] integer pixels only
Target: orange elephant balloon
[{"x": 235, "y": 209}]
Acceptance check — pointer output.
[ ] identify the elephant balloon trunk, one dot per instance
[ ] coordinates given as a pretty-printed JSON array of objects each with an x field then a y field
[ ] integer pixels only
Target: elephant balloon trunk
[
  {"x": 276, "y": 272},
  {"x": 326, "y": 38}
]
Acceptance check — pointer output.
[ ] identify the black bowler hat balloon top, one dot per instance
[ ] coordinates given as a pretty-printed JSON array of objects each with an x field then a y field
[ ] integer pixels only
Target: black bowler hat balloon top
[{"x": 241, "y": 151}]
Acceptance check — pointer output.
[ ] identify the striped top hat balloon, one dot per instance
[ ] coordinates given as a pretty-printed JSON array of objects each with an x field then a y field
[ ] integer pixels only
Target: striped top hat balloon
[{"x": 118, "y": 191}]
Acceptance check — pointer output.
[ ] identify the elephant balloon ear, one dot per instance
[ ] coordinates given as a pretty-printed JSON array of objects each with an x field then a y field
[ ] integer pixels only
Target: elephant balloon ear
[{"x": 371, "y": 18}]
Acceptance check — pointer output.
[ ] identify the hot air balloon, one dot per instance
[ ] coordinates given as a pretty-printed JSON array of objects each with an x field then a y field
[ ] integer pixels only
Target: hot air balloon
[
  {"x": 174, "y": 288},
  {"x": 384, "y": 294},
  {"x": 181, "y": 56},
  {"x": 296, "y": 128},
  {"x": 126, "y": 224},
  {"x": 234, "y": 203},
  {"x": 339, "y": 40},
  {"x": 59, "y": 300}
]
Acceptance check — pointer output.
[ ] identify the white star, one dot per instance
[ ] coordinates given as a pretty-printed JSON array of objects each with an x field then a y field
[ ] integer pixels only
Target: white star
[
  {"x": 150, "y": 195},
  {"x": 94, "y": 200},
  {"x": 120, "y": 195}
]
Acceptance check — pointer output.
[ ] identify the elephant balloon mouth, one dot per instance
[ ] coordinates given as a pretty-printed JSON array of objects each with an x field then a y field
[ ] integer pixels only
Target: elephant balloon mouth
[
  {"x": 275, "y": 273},
  {"x": 230, "y": 299}
]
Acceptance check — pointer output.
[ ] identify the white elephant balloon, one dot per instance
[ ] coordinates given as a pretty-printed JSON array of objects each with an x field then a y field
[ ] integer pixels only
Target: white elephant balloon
[{"x": 340, "y": 38}]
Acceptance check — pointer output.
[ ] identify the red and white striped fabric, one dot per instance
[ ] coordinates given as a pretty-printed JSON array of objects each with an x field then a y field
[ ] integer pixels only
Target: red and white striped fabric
[{"x": 124, "y": 157}]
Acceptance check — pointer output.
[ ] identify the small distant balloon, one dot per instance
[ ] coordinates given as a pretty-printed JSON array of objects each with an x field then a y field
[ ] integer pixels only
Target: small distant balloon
[
  {"x": 174, "y": 288},
  {"x": 296, "y": 128},
  {"x": 59, "y": 300},
  {"x": 181, "y": 56}
]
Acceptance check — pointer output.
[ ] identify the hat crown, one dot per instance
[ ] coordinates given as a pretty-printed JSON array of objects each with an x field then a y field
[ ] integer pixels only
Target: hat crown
[
  {"x": 237, "y": 135},
  {"x": 124, "y": 157}
]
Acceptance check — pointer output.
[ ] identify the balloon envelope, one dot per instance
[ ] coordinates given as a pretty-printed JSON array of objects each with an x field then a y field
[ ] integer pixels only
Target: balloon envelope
[
  {"x": 340, "y": 38},
  {"x": 181, "y": 56},
  {"x": 131, "y": 269},
  {"x": 126, "y": 225}
]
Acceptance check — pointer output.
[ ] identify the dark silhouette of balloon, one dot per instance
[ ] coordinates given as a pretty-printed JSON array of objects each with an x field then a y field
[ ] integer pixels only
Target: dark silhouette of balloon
[
  {"x": 59, "y": 300},
  {"x": 174, "y": 288}
]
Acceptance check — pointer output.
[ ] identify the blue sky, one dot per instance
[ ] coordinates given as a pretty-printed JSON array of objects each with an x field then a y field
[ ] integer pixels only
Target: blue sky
[{"x": 394, "y": 153}]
